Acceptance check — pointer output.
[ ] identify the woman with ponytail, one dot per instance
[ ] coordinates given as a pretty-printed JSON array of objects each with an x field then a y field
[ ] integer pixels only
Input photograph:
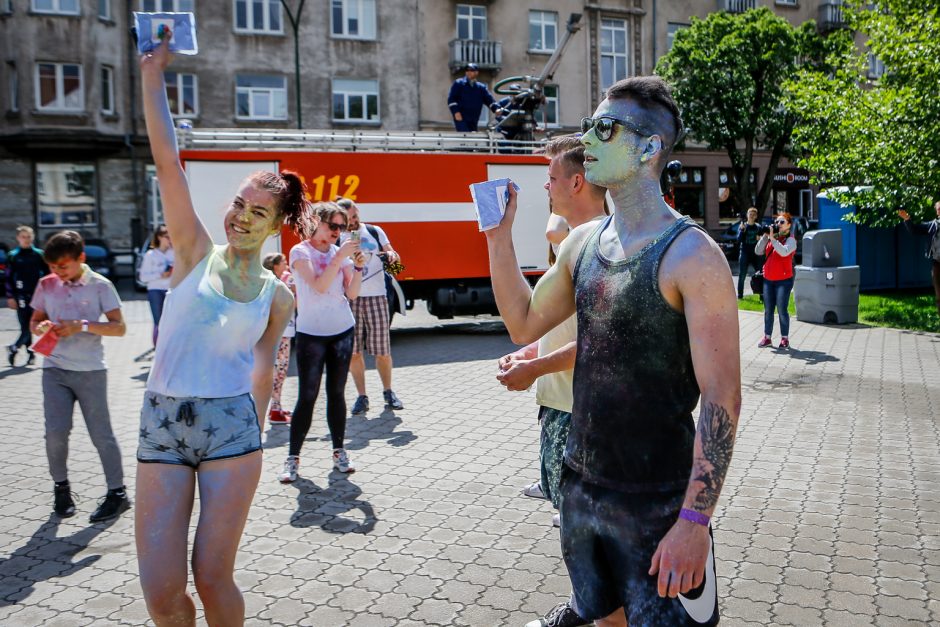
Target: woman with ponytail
[{"x": 211, "y": 380}]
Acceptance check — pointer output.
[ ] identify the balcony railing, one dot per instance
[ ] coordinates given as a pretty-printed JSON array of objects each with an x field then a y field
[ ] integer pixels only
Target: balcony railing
[
  {"x": 830, "y": 17},
  {"x": 488, "y": 55},
  {"x": 736, "y": 6}
]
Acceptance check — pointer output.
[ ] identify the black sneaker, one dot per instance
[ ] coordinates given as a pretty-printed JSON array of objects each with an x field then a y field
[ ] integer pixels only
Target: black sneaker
[
  {"x": 11, "y": 355},
  {"x": 64, "y": 504},
  {"x": 114, "y": 503},
  {"x": 361, "y": 405},
  {"x": 30, "y": 357},
  {"x": 392, "y": 401},
  {"x": 562, "y": 615}
]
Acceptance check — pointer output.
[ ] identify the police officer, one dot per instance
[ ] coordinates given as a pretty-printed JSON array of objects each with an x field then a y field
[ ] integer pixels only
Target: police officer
[
  {"x": 25, "y": 267},
  {"x": 467, "y": 96}
]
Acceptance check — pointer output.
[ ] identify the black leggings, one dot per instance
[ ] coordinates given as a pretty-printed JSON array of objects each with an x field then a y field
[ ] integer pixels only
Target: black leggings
[
  {"x": 314, "y": 354},
  {"x": 23, "y": 314}
]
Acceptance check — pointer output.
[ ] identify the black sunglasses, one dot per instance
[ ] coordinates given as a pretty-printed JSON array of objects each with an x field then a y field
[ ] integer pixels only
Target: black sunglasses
[
  {"x": 780, "y": 221},
  {"x": 604, "y": 127},
  {"x": 336, "y": 227}
]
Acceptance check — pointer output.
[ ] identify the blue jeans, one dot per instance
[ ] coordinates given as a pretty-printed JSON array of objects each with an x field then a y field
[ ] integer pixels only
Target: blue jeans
[
  {"x": 156, "y": 299},
  {"x": 777, "y": 294}
]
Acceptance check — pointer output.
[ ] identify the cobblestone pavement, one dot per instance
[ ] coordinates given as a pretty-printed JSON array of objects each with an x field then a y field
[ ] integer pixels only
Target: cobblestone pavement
[{"x": 830, "y": 515}]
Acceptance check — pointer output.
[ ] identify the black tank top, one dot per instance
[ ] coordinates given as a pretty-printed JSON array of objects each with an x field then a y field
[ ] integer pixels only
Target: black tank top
[{"x": 634, "y": 385}]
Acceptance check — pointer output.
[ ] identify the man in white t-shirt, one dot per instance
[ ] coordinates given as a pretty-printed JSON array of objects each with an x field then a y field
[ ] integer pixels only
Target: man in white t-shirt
[{"x": 371, "y": 312}]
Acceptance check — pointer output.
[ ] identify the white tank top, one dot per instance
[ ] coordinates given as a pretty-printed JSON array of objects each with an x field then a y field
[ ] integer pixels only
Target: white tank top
[{"x": 207, "y": 340}]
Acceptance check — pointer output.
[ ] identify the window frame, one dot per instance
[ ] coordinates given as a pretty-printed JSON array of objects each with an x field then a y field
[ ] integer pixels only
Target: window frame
[
  {"x": 106, "y": 5},
  {"x": 614, "y": 55},
  {"x": 176, "y": 8},
  {"x": 180, "y": 88},
  {"x": 365, "y": 101},
  {"x": 57, "y": 10},
  {"x": 251, "y": 91},
  {"x": 40, "y": 191},
  {"x": 361, "y": 6},
  {"x": 109, "y": 71},
  {"x": 543, "y": 109},
  {"x": 671, "y": 33},
  {"x": 470, "y": 18},
  {"x": 266, "y": 18},
  {"x": 59, "y": 86},
  {"x": 13, "y": 87},
  {"x": 542, "y": 24}
]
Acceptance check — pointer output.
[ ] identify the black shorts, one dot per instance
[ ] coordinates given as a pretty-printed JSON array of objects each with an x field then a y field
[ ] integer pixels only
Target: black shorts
[{"x": 608, "y": 538}]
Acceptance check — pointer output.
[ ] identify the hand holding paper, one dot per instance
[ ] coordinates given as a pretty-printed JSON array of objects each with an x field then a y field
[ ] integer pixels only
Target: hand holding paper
[
  {"x": 46, "y": 344},
  {"x": 490, "y": 199},
  {"x": 151, "y": 30}
]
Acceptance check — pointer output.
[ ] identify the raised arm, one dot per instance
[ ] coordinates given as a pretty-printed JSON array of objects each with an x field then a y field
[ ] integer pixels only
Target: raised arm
[
  {"x": 190, "y": 237},
  {"x": 528, "y": 314},
  {"x": 708, "y": 300}
]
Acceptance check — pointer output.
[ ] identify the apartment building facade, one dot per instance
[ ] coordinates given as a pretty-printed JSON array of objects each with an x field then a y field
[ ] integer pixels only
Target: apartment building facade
[{"x": 72, "y": 147}]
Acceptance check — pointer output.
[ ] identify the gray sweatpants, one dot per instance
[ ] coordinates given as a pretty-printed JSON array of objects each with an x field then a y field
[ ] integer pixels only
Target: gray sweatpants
[{"x": 61, "y": 388}]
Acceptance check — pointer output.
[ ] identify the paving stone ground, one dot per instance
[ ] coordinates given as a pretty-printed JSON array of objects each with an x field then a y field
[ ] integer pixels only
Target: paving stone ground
[{"x": 830, "y": 514}]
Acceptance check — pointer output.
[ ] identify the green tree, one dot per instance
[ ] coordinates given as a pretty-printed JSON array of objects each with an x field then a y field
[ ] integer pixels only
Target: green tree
[
  {"x": 727, "y": 72},
  {"x": 877, "y": 137}
]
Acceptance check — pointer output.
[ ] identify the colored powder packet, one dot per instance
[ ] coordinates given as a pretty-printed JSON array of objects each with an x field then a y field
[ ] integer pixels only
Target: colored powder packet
[
  {"x": 46, "y": 343},
  {"x": 489, "y": 201},
  {"x": 149, "y": 28}
]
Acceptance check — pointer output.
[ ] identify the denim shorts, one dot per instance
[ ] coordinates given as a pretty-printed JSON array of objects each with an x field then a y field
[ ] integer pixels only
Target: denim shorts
[{"x": 189, "y": 431}]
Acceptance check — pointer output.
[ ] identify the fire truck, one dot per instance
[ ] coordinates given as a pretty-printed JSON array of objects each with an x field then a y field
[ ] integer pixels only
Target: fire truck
[{"x": 415, "y": 185}]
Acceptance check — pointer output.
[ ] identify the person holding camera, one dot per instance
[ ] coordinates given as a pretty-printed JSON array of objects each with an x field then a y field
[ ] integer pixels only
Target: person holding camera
[
  {"x": 748, "y": 233},
  {"x": 777, "y": 245},
  {"x": 932, "y": 229}
]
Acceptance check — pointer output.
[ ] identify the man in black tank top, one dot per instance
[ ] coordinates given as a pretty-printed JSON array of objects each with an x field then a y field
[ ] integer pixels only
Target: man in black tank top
[{"x": 657, "y": 333}]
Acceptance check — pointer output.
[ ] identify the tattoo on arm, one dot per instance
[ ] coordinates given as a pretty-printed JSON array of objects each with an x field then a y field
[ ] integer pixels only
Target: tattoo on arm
[{"x": 717, "y": 432}]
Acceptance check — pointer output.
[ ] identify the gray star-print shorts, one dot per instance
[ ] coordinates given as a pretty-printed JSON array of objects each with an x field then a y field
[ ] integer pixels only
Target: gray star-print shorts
[{"x": 189, "y": 431}]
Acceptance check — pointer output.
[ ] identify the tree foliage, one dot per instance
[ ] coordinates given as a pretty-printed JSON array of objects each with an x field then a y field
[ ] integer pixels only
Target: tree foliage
[
  {"x": 880, "y": 138},
  {"x": 727, "y": 72}
]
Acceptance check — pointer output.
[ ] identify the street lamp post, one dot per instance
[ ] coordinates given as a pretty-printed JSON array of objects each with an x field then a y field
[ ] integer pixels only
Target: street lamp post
[{"x": 295, "y": 25}]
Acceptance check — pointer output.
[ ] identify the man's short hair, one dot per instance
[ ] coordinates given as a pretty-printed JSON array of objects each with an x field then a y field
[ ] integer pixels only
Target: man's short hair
[
  {"x": 655, "y": 97},
  {"x": 345, "y": 203},
  {"x": 571, "y": 151},
  {"x": 61, "y": 245},
  {"x": 25, "y": 229}
]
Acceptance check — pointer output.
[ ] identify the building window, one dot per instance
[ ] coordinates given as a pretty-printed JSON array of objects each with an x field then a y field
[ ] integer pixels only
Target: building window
[
  {"x": 471, "y": 22},
  {"x": 260, "y": 97},
  {"x": 59, "y": 87},
  {"x": 258, "y": 16},
  {"x": 353, "y": 18},
  {"x": 167, "y": 6},
  {"x": 153, "y": 201},
  {"x": 65, "y": 193},
  {"x": 60, "y": 7},
  {"x": 355, "y": 100},
  {"x": 107, "y": 89},
  {"x": 13, "y": 86},
  {"x": 104, "y": 9},
  {"x": 876, "y": 67},
  {"x": 613, "y": 51},
  {"x": 671, "y": 29},
  {"x": 6, "y": 7},
  {"x": 543, "y": 30},
  {"x": 788, "y": 3},
  {"x": 689, "y": 193},
  {"x": 548, "y": 112},
  {"x": 182, "y": 93}
]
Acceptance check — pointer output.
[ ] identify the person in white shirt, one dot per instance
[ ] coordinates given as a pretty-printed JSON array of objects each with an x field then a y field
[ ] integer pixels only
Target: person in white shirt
[
  {"x": 371, "y": 312},
  {"x": 155, "y": 271}
]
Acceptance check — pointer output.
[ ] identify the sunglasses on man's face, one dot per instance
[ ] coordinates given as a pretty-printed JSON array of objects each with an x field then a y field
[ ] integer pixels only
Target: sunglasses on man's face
[
  {"x": 604, "y": 127},
  {"x": 337, "y": 227}
]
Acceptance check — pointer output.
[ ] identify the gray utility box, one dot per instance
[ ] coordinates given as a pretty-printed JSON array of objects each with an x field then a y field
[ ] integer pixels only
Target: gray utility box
[
  {"x": 824, "y": 290},
  {"x": 822, "y": 249},
  {"x": 828, "y": 295}
]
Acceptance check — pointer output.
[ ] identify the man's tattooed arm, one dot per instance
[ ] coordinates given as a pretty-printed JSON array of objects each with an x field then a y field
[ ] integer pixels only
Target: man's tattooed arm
[{"x": 716, "y": 431}]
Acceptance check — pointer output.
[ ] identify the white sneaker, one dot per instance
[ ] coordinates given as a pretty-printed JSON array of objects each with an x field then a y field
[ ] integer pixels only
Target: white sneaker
[
  {"x": 534, "y": 490},
  {"x": 556, "y": 520},
  {"x": 291, "y": 464},
  {"x": 341, "y": 461}
]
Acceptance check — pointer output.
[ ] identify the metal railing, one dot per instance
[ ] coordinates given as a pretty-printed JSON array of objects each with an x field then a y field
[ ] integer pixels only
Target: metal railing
[
  {"x": 736, "y": 6},
  {"x": 830, "y": 17},
  {"x": 488, "y": 55},
  {"x": 350, "y": 141}
]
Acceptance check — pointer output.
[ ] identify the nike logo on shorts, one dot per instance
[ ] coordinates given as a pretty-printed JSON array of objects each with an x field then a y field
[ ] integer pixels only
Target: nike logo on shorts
[{"x": 702, "y": 606}]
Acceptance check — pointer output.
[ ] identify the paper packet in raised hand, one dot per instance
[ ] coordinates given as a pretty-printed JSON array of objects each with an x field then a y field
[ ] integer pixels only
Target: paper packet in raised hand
[
  {"x": 150, "y": 28},
  {"x": 489, "y": 200}
]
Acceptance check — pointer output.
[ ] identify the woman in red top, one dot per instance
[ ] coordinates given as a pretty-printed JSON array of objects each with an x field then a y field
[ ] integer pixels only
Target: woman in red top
[{"x": 778, "y": 246}]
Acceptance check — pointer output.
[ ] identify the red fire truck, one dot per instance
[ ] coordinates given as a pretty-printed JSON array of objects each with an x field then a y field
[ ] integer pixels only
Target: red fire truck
[{"x": 415, "y": 185}]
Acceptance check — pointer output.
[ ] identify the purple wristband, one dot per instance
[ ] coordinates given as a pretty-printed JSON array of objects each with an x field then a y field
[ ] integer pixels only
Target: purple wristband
[{"x": 693, "y": 516}]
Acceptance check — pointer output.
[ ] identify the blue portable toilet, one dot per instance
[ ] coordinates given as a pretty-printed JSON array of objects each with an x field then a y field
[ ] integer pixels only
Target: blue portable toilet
[{"x": 888, "y": 258}]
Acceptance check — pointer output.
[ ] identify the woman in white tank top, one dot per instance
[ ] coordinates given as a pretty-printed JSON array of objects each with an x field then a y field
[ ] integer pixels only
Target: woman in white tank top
[{"x": 211, "y": 379}]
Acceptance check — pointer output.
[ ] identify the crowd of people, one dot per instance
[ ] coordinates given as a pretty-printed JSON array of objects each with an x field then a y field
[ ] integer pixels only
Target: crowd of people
[{"x": 633, "y": 326}]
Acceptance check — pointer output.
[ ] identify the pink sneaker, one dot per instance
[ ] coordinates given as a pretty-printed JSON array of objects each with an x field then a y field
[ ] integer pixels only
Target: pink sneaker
[
  {"x": 784, "y": 342},
  {"x": 765, "y": 341}
]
